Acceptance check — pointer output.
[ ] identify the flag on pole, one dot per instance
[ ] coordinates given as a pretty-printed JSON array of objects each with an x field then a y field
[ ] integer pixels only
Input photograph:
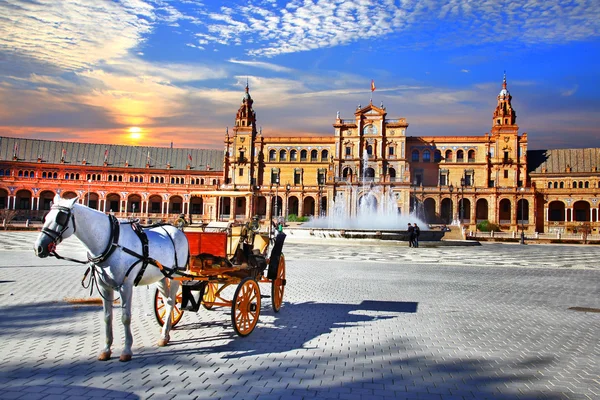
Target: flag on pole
[
  {"x": 148, "y": 158},
  {"x": 189, "y": 158},
  {"x": 372, "y": 85},
  {"x": 105, "y": 154},
  {"x": 16, "y": 149}
]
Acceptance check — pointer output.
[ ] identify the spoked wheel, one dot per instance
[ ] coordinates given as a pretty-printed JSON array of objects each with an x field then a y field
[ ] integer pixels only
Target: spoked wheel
[
  {"x": 278, "y": 286},
  {"x": 245, "y": 308},
  {"x": 160, "y": 308},
  {"x": 210, "y": 295}
]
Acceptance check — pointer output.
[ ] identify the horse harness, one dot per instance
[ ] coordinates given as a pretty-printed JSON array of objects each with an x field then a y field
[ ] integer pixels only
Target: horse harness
[{"x": 62, "y": 220}]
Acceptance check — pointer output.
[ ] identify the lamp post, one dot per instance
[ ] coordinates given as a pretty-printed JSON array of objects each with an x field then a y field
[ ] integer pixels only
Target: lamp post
[
  {"x": 451, "y": 189},
  {"x": 276, "y": 197},
  {"x": 320, "y": 202},
  {"x": 522, "y": 190},
  {"x": 462, "y": 198},
  {"x": 88, "y": 193},
  {"x": 132, "y": 210},
  {"x": 288, "y": 187},
  {"x": 422, "y": 203}
]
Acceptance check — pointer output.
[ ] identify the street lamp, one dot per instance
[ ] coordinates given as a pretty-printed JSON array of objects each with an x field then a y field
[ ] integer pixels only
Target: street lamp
[
  {"x": 451, "y": 189},
  {"x": 288, "y": 187},
  {"x": 522, "y": 190},
  {"x": 321, "y": 183},
  {"x": 276, "y": 196},
  {"x": 422, "y": 203},
  {"x": 132, "y": 210},
  {"x": 462, "y": 198},
  {"x": 88, "y": 194}
]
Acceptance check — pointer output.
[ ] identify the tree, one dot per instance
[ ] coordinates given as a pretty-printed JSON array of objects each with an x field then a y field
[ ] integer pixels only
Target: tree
[{"x": 7, "y": 217}]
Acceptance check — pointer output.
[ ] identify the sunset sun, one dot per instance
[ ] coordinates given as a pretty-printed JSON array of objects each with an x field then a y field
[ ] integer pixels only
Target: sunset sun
[{"x": 135, "y": 132}]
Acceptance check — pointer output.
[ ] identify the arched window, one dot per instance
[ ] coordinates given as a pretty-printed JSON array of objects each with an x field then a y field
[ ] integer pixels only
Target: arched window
[
  {"x": 202, "y": 181},
  {"x": 471, "y": 155},
  {"x": 151, "y": 179},
  {"x": 283, "y": 155},
  {"x": 562, "y": 185},
  {"x": 272, "y": 155},
  {"x": 66, "y": 175},
  {"x": 44, "y": 174},
  {"x": 293, "y": 155},
  {"x": 55, "y": 175},
  {"x": 370, "y": 150},
  {"x": 303, "y": 155},
  {"x": 324, "y": 155},
  {"x": 26, "y": 174},
  {"x": 426, "y": 156},
  {"x": 580, "y": 185},
  {"x": 460, "y": 156},
  {"x": 555, "y": 185},
  {"x": 120, "y": 178},
  {"x": 574, "y": 185},
  {"x": 448, "y": 156},
  {"x": 314, "y": 155},
  {"x": 549, "y": 185},
  {"x": 587, "y": 185},
  {"x": 437, "y": 156},
  {"x": 415, "y": 155}
]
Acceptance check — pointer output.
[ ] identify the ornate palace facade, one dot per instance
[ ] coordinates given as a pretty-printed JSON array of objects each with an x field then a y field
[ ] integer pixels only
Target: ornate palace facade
[{"x": 443, "y": 178}]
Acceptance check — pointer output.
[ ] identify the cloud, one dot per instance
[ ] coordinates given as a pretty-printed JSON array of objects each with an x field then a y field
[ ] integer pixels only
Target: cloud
[
  {"x": 71, "y": 34},
  {"x": 262, "y": 64},
  {"x": 570, "y": 92},
  {"x": 308, "y": 25},
  {"x": 466, "y": 71}
]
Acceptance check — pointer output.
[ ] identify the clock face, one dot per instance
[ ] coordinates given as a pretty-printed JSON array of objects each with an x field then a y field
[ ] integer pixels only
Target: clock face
[{"x": 370, "y": 130}]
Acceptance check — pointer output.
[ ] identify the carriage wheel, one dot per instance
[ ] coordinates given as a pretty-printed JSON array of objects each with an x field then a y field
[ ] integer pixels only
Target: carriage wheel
[
  {"x": 245, "y": 307},
  {"x": 278, "y": 286},
  {"x": 210, "y": 295},
  {"x": 160, "y": 308}
]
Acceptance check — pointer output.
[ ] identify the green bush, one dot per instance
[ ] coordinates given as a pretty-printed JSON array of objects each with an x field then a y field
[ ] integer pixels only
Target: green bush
[
  {"x": 295, "y": 218},
  {"x": 487, "y": 226}
]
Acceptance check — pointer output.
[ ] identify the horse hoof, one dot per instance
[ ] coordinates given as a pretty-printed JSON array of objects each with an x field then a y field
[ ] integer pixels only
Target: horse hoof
[
  {"x": 163, "y": 342},
  {"x": 125, "y": 357},
  {"x": 104, "y": 356}
]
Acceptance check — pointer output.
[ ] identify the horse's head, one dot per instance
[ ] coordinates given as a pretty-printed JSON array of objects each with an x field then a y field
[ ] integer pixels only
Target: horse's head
[{"x": 59, "y": 224}]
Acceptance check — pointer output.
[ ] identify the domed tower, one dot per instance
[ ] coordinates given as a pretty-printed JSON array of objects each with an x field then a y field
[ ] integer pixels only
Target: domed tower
[
  {"x": 504, "y": 114},
  {"x": 508, "y": 150},
  {"x": 239, "y": 148}
]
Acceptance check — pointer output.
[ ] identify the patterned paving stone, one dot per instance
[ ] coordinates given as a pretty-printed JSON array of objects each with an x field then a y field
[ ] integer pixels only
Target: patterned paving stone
[{"x": 359, "y": 321}]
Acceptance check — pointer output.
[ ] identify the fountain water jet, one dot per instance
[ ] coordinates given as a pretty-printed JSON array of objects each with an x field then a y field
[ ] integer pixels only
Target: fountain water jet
[{"x": 376, "y": 214}]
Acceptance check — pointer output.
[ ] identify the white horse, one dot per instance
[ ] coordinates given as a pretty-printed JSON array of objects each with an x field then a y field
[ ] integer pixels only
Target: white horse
[{"x": 118, "y": 255}]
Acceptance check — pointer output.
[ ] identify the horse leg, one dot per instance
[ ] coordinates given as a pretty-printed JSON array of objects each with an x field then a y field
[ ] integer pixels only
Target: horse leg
[
  {"x": 126, "y": 293},
  {"x": 107, "y": 305},
  {"x": 168, "y": 288}
]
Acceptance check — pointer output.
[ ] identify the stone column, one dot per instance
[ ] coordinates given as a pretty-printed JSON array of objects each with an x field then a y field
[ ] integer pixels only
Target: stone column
[{"x": 232, "y": 205}]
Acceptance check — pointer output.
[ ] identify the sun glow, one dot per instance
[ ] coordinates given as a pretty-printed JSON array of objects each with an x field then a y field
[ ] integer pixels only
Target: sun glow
[{"x": 135, "y": 132}]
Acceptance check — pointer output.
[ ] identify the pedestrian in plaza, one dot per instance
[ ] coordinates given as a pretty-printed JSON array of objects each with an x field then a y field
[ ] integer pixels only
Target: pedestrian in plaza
[
  {"x": 411, "y": 235},
  {"x": 417, "y": 231}
]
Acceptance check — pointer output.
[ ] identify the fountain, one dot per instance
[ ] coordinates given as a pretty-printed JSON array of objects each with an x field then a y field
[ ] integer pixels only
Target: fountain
[{"x": 376, "y": 215}]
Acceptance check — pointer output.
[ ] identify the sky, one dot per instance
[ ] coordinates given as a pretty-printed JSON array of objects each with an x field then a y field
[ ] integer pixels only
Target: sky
[{"x": 152, "y": 72}]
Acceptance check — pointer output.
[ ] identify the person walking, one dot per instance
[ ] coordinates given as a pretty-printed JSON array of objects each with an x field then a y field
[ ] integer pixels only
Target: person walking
[
  {"x": 411, "y": 235},
  {"x": 417, "y": 231}
]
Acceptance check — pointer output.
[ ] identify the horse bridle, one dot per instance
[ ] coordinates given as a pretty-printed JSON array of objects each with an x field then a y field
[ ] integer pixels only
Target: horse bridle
[{"x": 62, "y": 220}]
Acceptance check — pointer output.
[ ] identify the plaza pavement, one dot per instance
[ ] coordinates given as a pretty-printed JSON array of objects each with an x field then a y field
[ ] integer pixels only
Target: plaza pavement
[{"x": 359, "y": 321}]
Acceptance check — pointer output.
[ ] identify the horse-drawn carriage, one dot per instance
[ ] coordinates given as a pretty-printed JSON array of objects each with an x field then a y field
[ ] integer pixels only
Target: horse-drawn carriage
[
  {"x": 223, "y": 255},
  {"x": 190, "y": 269}
]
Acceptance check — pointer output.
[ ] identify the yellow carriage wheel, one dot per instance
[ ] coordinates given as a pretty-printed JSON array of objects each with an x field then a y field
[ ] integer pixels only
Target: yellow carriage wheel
[
  {"x": 160, "y": 308},
  {"x": 278, "y": 286},
  {"x": 210, "y": 295},
  {"x": 245, "y": 308}
]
